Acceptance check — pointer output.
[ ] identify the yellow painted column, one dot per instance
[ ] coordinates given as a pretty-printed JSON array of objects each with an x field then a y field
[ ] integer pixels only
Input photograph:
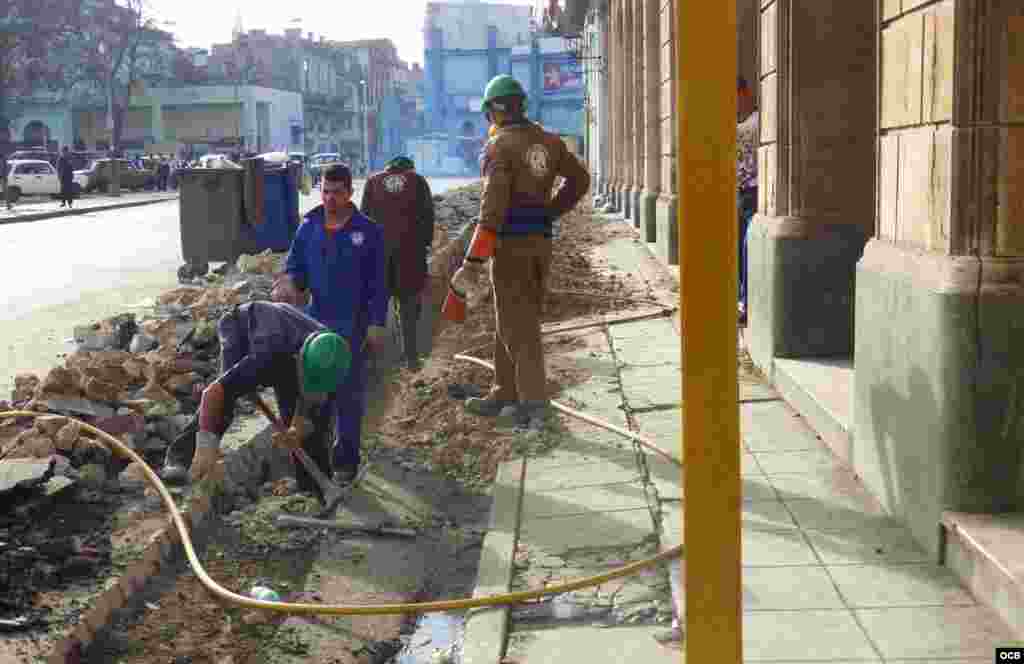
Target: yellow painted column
[{"x": 706, "y": 122}]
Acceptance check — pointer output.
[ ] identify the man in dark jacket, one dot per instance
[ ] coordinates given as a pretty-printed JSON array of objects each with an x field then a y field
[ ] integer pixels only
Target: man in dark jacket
[
  {"x": 267, "y": 344},
  {"x": 3, "y": 179},
  {"x": 66, "y": 172},
  {"x": 400, "y": 200}
]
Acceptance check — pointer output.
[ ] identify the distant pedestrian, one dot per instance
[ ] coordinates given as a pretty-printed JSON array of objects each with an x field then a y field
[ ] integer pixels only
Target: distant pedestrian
[
  {"x": 66, "y": 172},
  {"x": 399, "y": 199},
  {"x": 747, "y": 136},
  {"x": 3, "y": 179}
]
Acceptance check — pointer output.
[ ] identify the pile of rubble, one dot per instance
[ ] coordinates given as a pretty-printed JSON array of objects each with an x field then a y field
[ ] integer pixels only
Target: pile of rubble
[{"x": 140, "y": 378}]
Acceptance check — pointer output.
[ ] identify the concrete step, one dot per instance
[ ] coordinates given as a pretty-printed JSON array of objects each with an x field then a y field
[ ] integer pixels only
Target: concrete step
[
  {"x": 986, "y": 551},
  {"x": 821, "y": 390}
]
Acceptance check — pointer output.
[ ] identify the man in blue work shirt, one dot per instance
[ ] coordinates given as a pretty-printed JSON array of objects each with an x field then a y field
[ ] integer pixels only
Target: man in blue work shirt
[{"x": 338, "y": 255}]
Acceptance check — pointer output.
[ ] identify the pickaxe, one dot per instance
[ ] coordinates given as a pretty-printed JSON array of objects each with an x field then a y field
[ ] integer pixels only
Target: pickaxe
[{"x": 333, "y": 494}]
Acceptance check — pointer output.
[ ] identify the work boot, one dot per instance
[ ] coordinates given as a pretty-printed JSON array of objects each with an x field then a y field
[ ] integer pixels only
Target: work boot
[
  {"x": 179, "y": 454},
  {"x": 528, "y": 415},
  {"x": 488, "y": 406}
]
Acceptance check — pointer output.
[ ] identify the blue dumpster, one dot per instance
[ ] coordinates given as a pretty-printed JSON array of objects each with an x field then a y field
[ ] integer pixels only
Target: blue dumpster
[{"x": 280, "y": 212}]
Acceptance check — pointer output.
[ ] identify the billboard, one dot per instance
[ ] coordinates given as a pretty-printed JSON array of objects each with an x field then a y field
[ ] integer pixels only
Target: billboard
[{"x": 560, "y": 77}]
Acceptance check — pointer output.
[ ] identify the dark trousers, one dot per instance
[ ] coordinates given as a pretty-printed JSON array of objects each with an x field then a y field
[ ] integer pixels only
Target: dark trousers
[
  {"x": 283, "y": 378},
  {"x": 67, "y": 196},
  {"x": 348, "y": 405},
  {"x": 409, "y": 310},
  {"x": 746, "y": 201}
]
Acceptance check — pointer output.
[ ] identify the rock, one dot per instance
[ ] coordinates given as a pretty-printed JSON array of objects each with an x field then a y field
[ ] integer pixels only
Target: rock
[
  {"x": 38, "y": 446},
  {"x": 183, "y": 296},
  {"x": 133, "y": 474},
  {"x": 67, "y": 436},
  {"x": 100, "y": 390},
  {"x": 61, "y": 380},
  {"x": 142, "y": 342},
  {"x": 205, "y": 334},
  {"x": 93, "y": 473},
  {"x": 77, "y": 406},
  {"x": 121, "y": 424},
  {"x": 153, "y": 444},
  {"x": 24, "y": 387},
  {"x": 89, "y": 451},
  {"x": 182, "y": 383},
  {"x": 135, "y": 367},
  {"x": 156, "y": 392},
  {"x": 161, "y": 408},
  {"x": 49, "y": 425}
]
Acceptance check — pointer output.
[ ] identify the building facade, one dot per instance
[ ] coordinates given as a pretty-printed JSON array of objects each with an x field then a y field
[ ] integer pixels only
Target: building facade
[
  {"x": 467, "y": 44},
  {"x": 886, "y": 258}
]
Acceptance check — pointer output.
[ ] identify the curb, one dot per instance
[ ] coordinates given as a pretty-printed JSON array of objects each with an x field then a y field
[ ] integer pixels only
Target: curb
[
  {"x": 163, "y": 548},
  {"x": 39, "y": 216},
  {"x": 487, "y": 628}
]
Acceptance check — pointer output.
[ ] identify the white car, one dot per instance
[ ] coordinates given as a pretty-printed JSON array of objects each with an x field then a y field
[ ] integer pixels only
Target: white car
[{"x": 34, "y": 177}]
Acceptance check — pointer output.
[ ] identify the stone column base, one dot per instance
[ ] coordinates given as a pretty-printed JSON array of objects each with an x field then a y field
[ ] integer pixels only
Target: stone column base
[
  {"x": 939, "y": 386},
  {"x": 647, "y": 215},
  {"x": 637, "y": 193},
  {"x": 666, "y": 229},
  {"x": 800, "y": 286}
]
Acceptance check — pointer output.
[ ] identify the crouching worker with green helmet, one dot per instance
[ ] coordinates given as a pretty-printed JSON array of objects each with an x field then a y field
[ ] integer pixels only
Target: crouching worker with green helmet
[{"x": 268, "y": 344}]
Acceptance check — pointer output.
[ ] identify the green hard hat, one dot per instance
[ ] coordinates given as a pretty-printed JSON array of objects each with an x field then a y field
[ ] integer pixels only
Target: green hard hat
[
  {"x": 325, "y": 359},
  {"x": 502, "y": 85}
]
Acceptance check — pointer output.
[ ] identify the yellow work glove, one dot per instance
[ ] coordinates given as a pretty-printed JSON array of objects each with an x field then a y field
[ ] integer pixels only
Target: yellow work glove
[
  {"x": 206, "y": 455},
  {"x": 292, "y": 438}
]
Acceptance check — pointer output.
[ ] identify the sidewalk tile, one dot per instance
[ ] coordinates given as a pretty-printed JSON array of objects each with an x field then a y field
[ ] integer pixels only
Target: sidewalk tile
[
  {"x": 881, "y": 545},
  {"x": 826, "y": 514},
  {"x": 788, "y": 588},
  {"x": 769, "y": 516},
  {"x": 666, "y": 476},
  {"x": 804, "y": 635},
  {"x": 595, "y": 529},
  {"x": 766, "y": 547},
  {"x": 772, "y": 426},
  {"x": 802, "y": 462},
  {"x": 757, "y": 488},
  {"x": 663, "y": 428},
  {"x": 890, "y": 586},
  {"x": 590, "y": 644},
  {"x": 838, "y": 486},
  {"x": 584, "y": 475},
  {"x": 960, "y": 631},
  {"x": 607, "y": 497}
]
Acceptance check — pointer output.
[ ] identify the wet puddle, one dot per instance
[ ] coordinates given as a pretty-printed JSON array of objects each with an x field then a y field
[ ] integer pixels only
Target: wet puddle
[{"x": 437, "y": 639}]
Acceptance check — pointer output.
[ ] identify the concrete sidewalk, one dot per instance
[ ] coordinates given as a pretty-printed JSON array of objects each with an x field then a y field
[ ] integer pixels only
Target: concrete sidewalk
[
  {"x": 36, "y": 209},
  {"x": 827, "y": 577}
]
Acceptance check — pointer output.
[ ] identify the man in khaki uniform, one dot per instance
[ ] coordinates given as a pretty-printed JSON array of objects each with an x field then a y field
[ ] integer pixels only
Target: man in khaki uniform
[{"x": 519, "y": 167}]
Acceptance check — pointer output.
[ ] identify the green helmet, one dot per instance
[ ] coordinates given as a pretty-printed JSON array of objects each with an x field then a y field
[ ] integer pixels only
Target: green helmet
[
  {"x": 502, "y": 86},
  {"x": 324, "y": 359}
]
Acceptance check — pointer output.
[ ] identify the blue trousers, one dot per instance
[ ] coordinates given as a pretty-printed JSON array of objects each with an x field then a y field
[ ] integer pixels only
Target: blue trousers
[
  {"x": 746, "y": 203},
  {"x": 349, "y": 403}
]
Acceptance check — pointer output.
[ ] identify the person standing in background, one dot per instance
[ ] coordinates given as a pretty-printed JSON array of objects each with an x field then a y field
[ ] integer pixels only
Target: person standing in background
[{"x": 747, "y": 137}]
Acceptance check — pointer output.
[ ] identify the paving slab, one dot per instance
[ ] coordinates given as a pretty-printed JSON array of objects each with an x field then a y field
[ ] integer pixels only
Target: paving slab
[
  {"x": 584, "y": 500},
  {"x": 891, "y": 586},
  {"x": 594, "y": 530},
  {"x": 821, "y": 635},
  {"x": 951, "y": 631},
  {"x": 826, "y": 515},
  {"x": 838, "y": 485},
  {"x": 800, "y": 462},
  {"x": 880, "y": 545},
  {"x": 789, "y": 588},
  {"x": 583, "y": 475},
  {"x": 589, "y": 644},
  {"x": 772, "y": 426},
  {"x": 767, "y": 547}
]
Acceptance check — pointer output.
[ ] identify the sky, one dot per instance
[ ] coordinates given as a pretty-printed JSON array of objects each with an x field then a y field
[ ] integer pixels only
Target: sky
[{"x": 202, "y": 23}]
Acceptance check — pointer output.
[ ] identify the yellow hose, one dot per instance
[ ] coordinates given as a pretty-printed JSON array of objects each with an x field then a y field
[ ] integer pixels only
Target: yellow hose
[{"x": 375, "y": 609}]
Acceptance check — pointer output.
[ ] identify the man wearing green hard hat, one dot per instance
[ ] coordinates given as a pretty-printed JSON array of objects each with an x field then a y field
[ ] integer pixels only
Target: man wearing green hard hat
[
  {"x": 268, "y": 344},
  {"x": 520, "y": 165}
]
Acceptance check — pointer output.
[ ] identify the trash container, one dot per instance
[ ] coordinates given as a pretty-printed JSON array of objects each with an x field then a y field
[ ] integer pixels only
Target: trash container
[
  {"x": 212, "y": 215},
  {"x": 280, "y": 212}
]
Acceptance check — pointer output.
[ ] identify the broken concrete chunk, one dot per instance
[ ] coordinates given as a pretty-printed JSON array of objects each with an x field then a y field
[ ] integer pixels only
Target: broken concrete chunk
[
  {"x": 60, "y": 380},
  {"x": 135, "y": 367},
  {"x": 77, "y": 406},
  {"x": 155, "y": 392},
  {"x": 161, "y": 408},
  {"x": 182, "y": 383},
  {"x": 133, "y": 474},
  {"x": 67, "y": 436},
  {"x": 49, "y": 425},
  {"x": 38, "y": 446},
  {"x": 142, "y": 342},
  {"x": 24, "y": 387},
  {"x": 205, "y": 334},
  {"x": 100, "y": 390},
  {"x": 121, "y": 424},
  {"x": 93, "y": 473}
]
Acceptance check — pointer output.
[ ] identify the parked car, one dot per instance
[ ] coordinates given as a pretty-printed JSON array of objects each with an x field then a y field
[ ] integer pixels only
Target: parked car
[
  {"x": 98, "y": 176},
  {"x": 36, "y": 177},
  {"x": 34, "y": 155}
]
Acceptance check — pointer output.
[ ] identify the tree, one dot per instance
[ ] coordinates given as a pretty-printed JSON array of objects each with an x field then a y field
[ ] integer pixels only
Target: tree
[
  {"x": 119, "y": 46},
  {"x": 30, "y": 30}
]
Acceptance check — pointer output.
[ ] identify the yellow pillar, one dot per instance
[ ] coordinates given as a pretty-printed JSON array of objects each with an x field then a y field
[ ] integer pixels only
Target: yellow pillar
[{"x": 706, "y": 121}]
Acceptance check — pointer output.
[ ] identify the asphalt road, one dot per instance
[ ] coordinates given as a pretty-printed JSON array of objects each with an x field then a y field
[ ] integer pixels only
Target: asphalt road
[{"x": 58, "y": 273}]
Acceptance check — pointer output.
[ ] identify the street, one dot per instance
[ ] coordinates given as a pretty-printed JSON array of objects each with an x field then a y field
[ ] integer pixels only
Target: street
[{"x": 74, "y": 270}]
